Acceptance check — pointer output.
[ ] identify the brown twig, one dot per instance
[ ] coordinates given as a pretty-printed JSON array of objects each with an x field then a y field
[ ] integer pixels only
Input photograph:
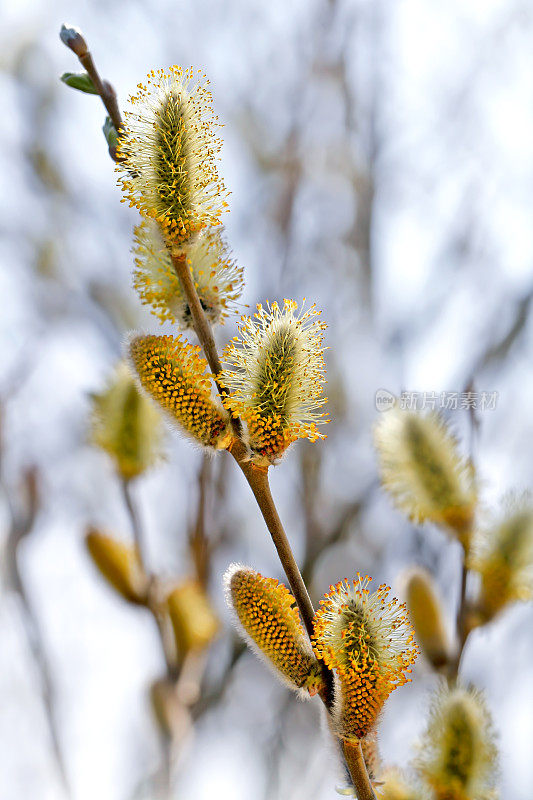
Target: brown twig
[
  {"x": 74, "y": 40},
  {"x": 202, "y": 327},
  {"x": 358, "y": 772},
  {"x": 257, "y": 479}
]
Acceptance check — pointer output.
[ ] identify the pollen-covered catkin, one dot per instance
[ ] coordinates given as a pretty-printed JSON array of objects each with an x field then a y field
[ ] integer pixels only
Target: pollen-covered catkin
[
  {"x": 216, "y": 277},
  {"x": 168, "y": 152},
  {"x": 368, "y": 640},
  {"x": 427, "y": 616},
  {"x": 458, "y": 757},
  {"x": 275, "y": 375},
  {"x": 423, "y": 471},
  {"x": 126, "y": 425},
  {"x": 173, "y": 373},
  {"x": 266, "y": 613},
  {"x": 503, "y": 556}
]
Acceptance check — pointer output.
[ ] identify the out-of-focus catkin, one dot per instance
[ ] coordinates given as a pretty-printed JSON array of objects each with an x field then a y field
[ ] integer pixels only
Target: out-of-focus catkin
[
  {"x": 266, "y": 613},
  {"x": 126, "y": 425},
  {"x": 396, "y": 786},
  {"x": 427, "y": 616},
  {"x": 173, "y": 373},
  {"x": 119, "y": 564},
  {"x": 193, "y": 618},
  {"x": 503, "y": 556},
  {"x": 368, "y": 640},
  {"x": 458, "y": 759},
  {"x": 422, "y": 469}
]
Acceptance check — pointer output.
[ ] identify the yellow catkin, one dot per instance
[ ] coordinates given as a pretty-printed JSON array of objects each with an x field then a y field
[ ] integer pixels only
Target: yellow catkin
[
  {"x": 275, "y": 376},
  {"x": 216, "y": 276},
  {"x": 193, "y": 618},
  {"x": 422, "y": 469},
  {"x": 368, "y": 640},
  {"x": 426, "y": 614},
  {"x": 266, "y": 613},
  {"x": 395, "y": 786},
  {"x": 168, "y": 153},
  {"x": 173, "y": 373},
  {"x": 126, "y": 425},
  {"x": 458, "y": 759},
  {"x": 119, "y": 564},
  {"x": 504, "y": 559}
]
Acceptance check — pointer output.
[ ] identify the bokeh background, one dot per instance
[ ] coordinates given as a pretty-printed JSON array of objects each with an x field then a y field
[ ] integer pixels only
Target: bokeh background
[{"x": 380, "y": 159}]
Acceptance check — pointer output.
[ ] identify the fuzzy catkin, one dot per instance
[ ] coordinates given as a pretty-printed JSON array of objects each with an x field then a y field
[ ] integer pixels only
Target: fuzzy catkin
[
  {"x": 423, "y": 471},
  {"x": 274, "y": 373},
  {"x": 265, "y": 610},
  {"x": 167, "y": 154},
  {"x": 216, "y": 277},
  {"x": 427, "y": 616},
  {"x": 368, "y": 640},
  {"x": 458, "y": 759},
  {"x": 503, "y": 557},
  {"x": 172, "y": 372},
  {"x": 126, "y": 425}
]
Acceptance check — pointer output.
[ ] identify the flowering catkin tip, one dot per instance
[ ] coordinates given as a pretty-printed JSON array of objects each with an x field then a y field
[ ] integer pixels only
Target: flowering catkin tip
[
  {"x": 126, "y": 425},
  {"x": 168, "y": 154},
  {"x": 275, "y": 375},
  {"x": 216, "y": 277},
  {"x": 267, "y": 617},
  {"x": 458, "y": 756},
  {"x": 503, "y": 556},
  {"x": 422, "y": 469},
  {"x": 368, "y": 640}
]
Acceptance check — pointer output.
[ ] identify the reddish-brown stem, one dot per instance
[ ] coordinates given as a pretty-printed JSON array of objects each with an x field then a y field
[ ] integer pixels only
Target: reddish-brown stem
[{"x": 104, "y": 89}]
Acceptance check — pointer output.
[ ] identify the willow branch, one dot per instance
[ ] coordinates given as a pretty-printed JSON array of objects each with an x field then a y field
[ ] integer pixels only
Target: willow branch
[
  {"x": 356, "y": 764},
  {"x": 258, "y": 481},
  {"x": 105, "y": 90},
  {"x": 257, "y": 478}
]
